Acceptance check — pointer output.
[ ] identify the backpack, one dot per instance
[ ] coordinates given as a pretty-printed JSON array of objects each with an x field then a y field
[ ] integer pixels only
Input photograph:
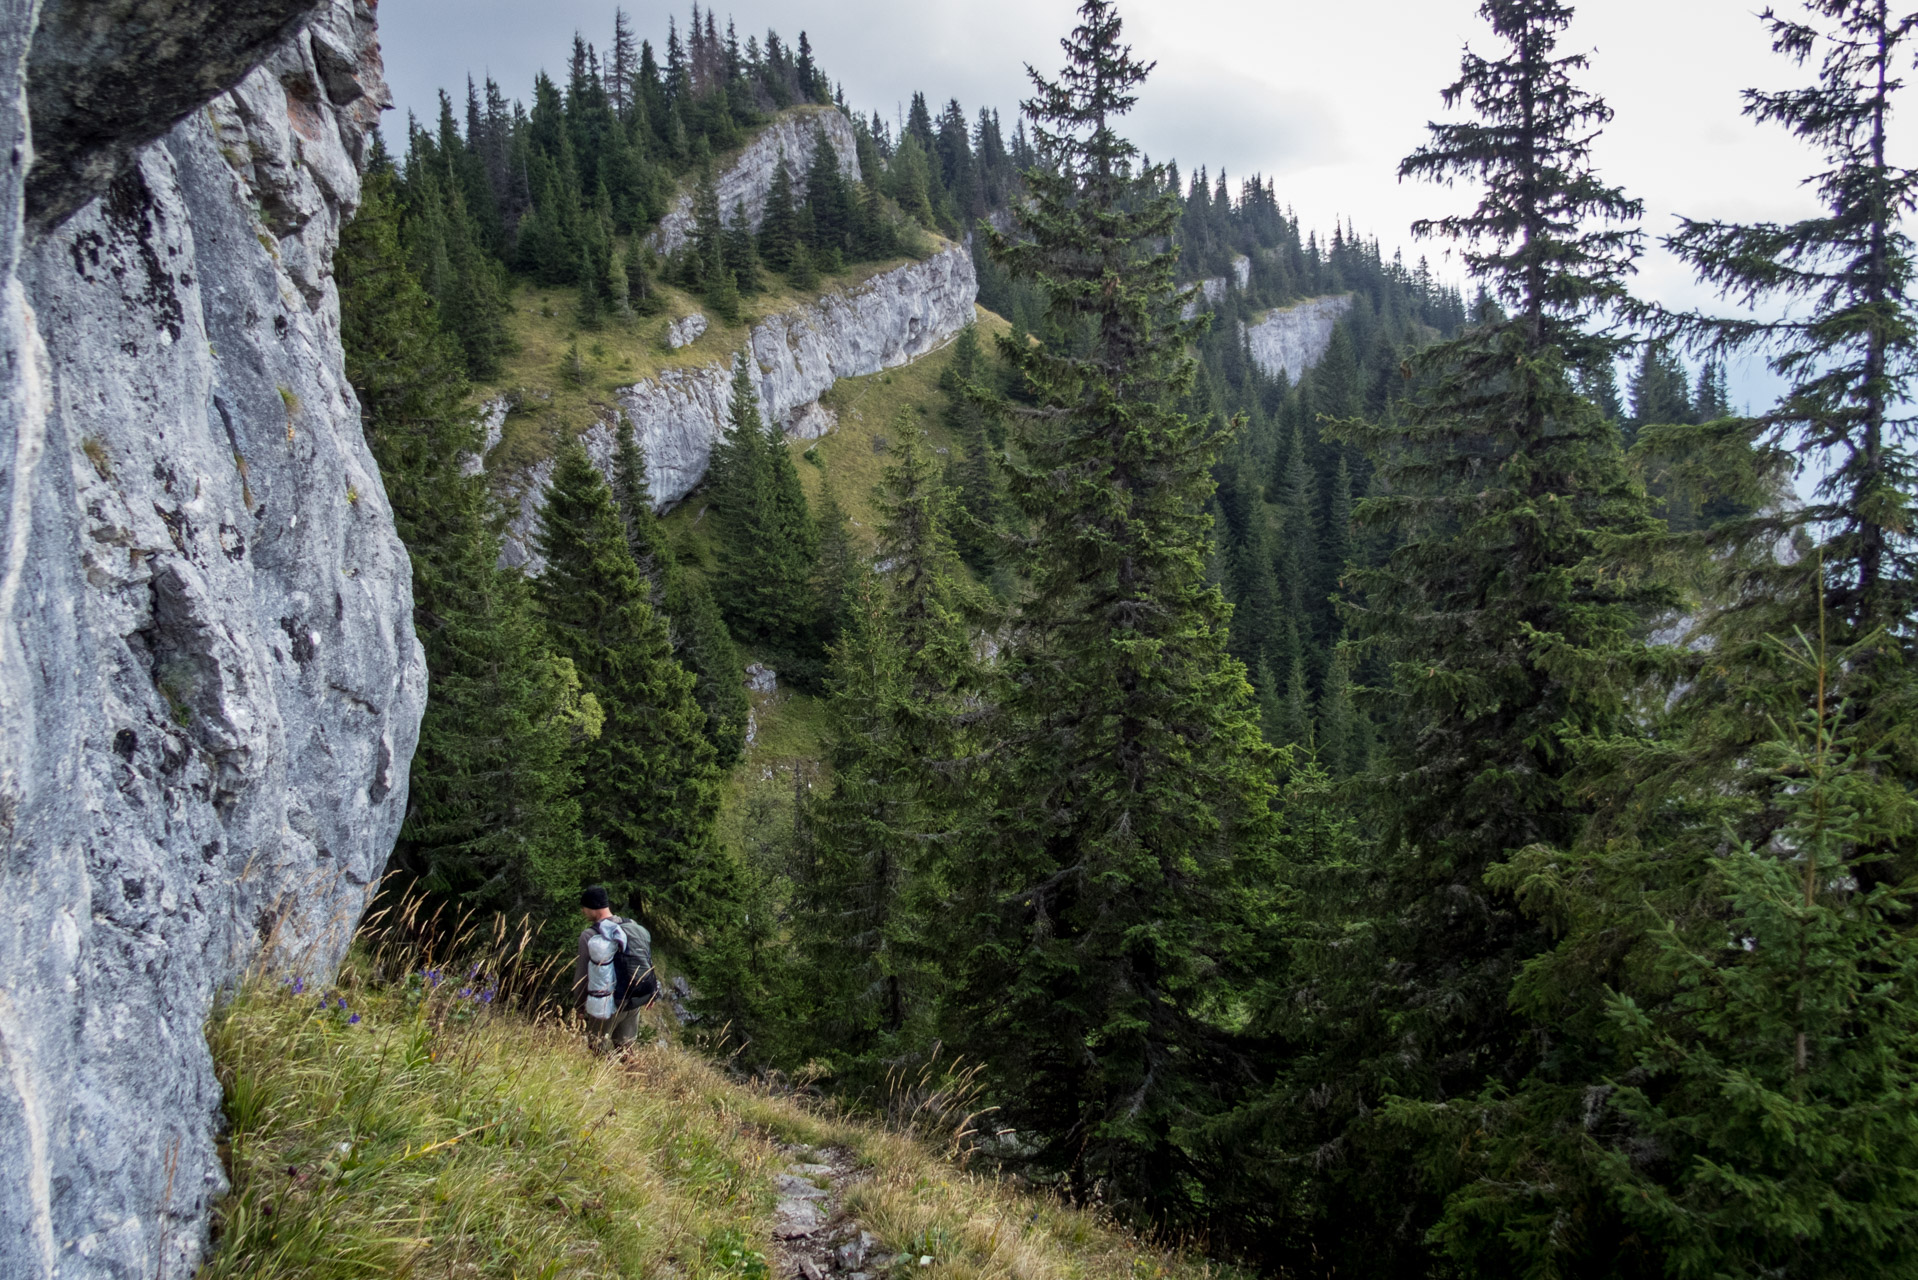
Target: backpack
[{"x": 635, "y": 983}]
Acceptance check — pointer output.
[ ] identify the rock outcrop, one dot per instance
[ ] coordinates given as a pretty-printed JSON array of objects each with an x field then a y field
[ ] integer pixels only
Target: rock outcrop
[
  {"x": 748, "y": 177},
  {"x": 209, "y": 685},
  {"x": 686, "y": 330},
  {"x": 109, "y": 76},
  {"x": 1212, "y": 288},
  {"x": 1293, "y": 338},
  {"x": 895, "y": 317}
]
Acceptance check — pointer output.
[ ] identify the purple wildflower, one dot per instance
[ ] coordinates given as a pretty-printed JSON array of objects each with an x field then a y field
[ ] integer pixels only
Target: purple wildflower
[
  {"x": 353, "y": 1021},
  {"x": 466, "y": 993},
  {"x": 342, "y": 1002},
  {"x": 299, "y": 985}
]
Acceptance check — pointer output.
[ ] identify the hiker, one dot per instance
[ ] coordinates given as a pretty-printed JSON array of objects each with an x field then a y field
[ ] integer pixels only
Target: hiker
[{"x": 613, "y": 976}]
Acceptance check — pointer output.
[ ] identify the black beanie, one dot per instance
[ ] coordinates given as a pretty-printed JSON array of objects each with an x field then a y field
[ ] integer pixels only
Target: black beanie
[{"x": 594, "y": 899}]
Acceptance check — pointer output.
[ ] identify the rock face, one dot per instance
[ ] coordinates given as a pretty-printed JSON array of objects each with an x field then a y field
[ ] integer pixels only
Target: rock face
[
  {"x": 748, "y": 178},
  {"x": 1295, "y": 337},
  {"x": 1212, "y": 289},
  {"x": 209, "y": 684},
  {"x": 887, "y": 321},
  {"x": 106, "y": 77}
]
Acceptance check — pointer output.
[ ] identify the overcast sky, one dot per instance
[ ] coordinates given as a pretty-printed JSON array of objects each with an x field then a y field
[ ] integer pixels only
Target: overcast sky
[{"x": 1324, "y": 97}]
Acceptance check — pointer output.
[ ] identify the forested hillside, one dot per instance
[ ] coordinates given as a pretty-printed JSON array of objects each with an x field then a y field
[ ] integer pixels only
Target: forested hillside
[{"x": 1353, "y": 786}]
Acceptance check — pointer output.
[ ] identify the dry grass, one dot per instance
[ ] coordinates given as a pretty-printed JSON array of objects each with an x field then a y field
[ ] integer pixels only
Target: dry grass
[{"x": 397, "y": 1126}]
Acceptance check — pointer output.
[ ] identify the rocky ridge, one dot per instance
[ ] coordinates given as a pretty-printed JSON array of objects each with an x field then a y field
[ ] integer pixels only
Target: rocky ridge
[
  {"x": 893, "y": 318},
  {"x": 748, "y": 178},
  {"x": 209, "y": 683},
  {"x": 1293, "y": 339}
]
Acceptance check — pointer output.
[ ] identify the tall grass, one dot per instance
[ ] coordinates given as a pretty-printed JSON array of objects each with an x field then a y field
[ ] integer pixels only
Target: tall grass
[{"x": 432, "y": 1114}]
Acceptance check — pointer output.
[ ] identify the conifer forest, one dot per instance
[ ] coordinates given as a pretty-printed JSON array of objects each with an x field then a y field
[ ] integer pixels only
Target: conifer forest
[{"x": 1443, "y": 806}]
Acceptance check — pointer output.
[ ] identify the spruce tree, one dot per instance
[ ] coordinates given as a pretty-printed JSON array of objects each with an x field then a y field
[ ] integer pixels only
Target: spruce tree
[
  {"x": 701, "y": 643},
  {"x": 705, "y": 258},
  {"x": 803, "y": 274},
  {"x": 828, "y": 200},
  {"x": 1760, "y": 993},
  {"x": 840, "y": 563},
  {"x": 854, "y": 873},
  {"x": 980, "y": 490},
  {"x": 1105, "y": 926},
  {"x": 779, "y": 228},
  {"x": 722, "y": 296},
  {"x": 1658, "y": 389},
  {"x": 1847, "y": 352},
  {"x": 741, "y": 257},
  {"x": 883, "y": 841},
  {"x": 704, "y": 646},
  {"x": 491, "y": 818},
  {"x": 1773, "y": 1065},
  {"x": 1510, "y": 620},
  {"x": 649, "y": 787},
  {"x": 1298, "y": 500},
  {"x": 768, "y": 545}
]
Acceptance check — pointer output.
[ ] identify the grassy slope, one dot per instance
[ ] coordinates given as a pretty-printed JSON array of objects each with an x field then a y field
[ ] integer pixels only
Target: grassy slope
[{"x": 437, "y": 1138}]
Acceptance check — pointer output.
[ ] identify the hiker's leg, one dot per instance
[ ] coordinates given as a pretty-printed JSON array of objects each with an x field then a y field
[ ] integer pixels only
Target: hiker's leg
[
  {"x": 626, "y": 1028},
  {"x": 596, "y": 1030}
]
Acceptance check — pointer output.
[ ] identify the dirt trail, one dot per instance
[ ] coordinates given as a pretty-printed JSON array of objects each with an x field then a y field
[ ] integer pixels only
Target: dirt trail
[{"x": 814, "y": 1238}]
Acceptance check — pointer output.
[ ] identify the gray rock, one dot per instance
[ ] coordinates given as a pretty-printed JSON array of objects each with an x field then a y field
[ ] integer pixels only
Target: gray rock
[
  {"x": 1212, "y": 289},
  {"x": 748, "y": 178},
  {"x": 761, "y": 678},
  {"x": 795, "y": 1219},
  {"x": 1294, "y": 338},
  {"x": 493, "y": 425},
  {"x": 792, "y": 1186},
  {"x": 890, "y": 320},
  {"x": 106, "y": 78},
  {"x": 684, "y": 332},
  {"x": 209, "y": 683}
]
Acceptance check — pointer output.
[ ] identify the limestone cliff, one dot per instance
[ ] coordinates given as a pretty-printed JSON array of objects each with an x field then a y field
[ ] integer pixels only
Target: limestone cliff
[
  {"x": 748, "y": 177},
  {"x": 209, "y": 684},
  {"x": 1293, "y": 338},
  {"x": 891, "y": 319}
]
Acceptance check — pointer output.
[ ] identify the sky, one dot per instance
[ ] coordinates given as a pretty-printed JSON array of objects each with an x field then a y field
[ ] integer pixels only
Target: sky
[{"x": 1325, "y": 98}]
